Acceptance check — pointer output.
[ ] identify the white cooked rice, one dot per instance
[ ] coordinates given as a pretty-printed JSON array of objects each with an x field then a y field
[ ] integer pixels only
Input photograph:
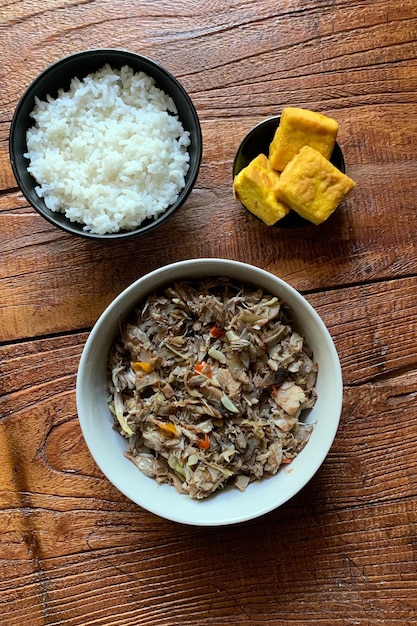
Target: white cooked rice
[{"x": 110, "y": 152}]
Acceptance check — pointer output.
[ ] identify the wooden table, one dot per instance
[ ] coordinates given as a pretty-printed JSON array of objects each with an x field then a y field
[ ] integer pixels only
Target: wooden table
[{"x": 73, "y": 550}]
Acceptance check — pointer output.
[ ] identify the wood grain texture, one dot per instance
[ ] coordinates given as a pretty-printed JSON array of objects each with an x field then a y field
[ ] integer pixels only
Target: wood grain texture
[{"x": 73, "y": 550}]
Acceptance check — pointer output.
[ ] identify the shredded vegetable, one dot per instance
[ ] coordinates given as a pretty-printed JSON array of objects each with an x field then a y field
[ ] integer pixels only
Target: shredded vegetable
[{"x": 208, "y": 382}]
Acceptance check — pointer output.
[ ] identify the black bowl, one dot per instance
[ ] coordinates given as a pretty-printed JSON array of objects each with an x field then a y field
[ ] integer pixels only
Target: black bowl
[
  {"x": 257, "y": 141},
  {"x": 59, "y": 76}
]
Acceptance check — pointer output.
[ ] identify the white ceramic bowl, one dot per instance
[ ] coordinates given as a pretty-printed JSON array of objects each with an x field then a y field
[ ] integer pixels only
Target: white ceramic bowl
[{"x": 229, "y": 506}]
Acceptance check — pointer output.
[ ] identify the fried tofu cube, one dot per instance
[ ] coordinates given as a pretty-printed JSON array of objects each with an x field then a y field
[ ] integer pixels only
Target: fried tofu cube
[
  {"x": 298, "y": 128},
  {"x": 312, "y": 186},
  {"x": 256, "y": 188}
]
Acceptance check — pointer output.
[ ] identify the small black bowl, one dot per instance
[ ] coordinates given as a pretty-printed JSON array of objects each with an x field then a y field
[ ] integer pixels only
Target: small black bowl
[
  {"x": 257, "y": 141},
  {"x": 59, "y": 76}
]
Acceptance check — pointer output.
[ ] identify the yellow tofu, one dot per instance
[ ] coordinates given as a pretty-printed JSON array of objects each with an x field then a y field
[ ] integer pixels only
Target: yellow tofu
[
  {"x": 256, "y": 188},
  {"x": 312, "y": 186},
  {"x": 298, "y": 128}
]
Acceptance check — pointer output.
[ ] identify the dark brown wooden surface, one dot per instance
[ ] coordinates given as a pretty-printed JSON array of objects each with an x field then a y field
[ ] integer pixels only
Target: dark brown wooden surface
[{"x": 73, "y": 550}]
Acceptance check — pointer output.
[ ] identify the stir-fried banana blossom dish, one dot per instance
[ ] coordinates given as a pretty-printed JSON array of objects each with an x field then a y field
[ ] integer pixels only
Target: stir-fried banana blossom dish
[{"x": 208, "y": 381}]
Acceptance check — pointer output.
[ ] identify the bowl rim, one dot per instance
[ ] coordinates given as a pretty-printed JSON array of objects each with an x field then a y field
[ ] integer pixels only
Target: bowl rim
[
  {"x": 63, "y": 222},
  {"x": 203, "y": 514}
]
